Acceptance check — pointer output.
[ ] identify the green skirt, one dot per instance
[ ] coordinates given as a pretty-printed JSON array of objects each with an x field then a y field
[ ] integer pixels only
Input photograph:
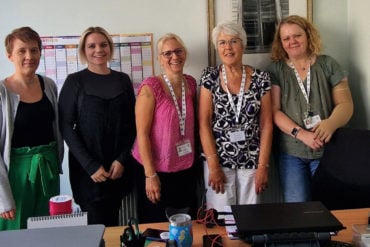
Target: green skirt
[{"x": 34, "y": 179}]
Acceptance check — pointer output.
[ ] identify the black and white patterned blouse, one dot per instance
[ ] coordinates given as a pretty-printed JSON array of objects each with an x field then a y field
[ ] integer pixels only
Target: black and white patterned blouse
[{"x": 242, "y": 154}]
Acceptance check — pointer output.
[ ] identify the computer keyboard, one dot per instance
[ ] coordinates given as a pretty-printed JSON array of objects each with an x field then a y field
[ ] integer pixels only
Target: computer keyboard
[
  {"x": 293, "y": 239},
  {"x": 312, "y": 237},
  {"x": 335, "y": 243}
]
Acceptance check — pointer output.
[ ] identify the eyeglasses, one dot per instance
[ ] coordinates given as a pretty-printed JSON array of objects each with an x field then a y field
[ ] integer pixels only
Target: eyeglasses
[
  {"x": 168, "y": 54},
  {"x": 231, "y": 42}
]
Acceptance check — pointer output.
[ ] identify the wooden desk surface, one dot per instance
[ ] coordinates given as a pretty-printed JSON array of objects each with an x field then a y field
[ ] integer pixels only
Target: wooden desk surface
[{"x": 346, "y": 217}]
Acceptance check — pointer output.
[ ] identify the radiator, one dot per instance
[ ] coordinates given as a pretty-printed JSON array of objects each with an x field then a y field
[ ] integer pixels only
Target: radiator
[{"x": 128, "y": 208}]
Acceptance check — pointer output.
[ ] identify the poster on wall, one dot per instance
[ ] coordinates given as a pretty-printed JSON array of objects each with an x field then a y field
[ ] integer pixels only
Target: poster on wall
[
  {"x": 259, "y": 19},
  {"x": 133, "y": 55}
]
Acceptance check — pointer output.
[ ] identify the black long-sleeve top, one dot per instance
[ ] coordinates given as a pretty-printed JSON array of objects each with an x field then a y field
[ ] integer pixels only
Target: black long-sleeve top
[{"x": 97, "y": 121}]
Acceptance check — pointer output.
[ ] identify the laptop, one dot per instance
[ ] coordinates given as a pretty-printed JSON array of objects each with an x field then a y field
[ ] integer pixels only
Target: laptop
[
  {"x": 270, "y": 218},
  {"x": 71, "y": 236}
]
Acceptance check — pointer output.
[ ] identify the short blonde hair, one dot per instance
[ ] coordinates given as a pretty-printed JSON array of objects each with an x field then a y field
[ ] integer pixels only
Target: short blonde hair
[
  {"x": 82, "y": 43},
  {"x": 166, "y": 37},
  {"x": 313, "y": 38}
]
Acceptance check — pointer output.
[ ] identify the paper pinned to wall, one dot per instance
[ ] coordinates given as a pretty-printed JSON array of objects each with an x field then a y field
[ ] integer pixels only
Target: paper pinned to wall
[{"x": 133, "y": 55}]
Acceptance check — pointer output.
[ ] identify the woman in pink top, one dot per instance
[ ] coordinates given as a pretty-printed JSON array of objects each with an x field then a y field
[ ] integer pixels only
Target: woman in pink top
[{"x": 165, "y": 135}]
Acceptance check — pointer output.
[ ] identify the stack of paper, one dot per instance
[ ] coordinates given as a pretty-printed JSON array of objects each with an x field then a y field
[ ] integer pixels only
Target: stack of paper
[{"x": 229, "y": 219}]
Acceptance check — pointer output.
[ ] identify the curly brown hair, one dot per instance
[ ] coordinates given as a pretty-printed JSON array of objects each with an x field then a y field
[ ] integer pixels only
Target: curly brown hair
[{"x": 313, "y": 38}]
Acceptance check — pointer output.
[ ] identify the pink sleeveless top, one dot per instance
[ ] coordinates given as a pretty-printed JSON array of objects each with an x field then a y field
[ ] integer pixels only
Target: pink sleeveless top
[{"x": 165, "y": 132}]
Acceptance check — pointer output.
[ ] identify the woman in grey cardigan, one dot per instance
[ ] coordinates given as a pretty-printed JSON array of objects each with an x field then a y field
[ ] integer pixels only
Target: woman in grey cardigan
[{"x": 31, "y": 148}]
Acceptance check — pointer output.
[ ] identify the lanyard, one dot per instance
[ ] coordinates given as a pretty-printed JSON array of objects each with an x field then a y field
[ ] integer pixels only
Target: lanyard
[
  {"x": 182, "y": 115},
  {"x": 305, "y": 93},
  {"x": 238, "y": 107}
]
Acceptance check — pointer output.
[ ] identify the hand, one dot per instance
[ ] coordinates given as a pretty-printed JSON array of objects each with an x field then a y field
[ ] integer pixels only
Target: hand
[
  {"x": 153, "y": 189},
  {"x": 100, "y": 175},
  {"x": 324, "y": 130},
  {"x": 261, "y": 181},
  {"x": 8, "y": 215},
  {"x": 309, "y": 139},
  {"x": 116, "y": 170},
  {"x": 217, "y": 179}
]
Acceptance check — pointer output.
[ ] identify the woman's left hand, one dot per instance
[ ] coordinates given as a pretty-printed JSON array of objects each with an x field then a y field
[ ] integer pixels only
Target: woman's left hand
[
  {"x": 153, "y": 188},
  {"x": 324, "y": 130},
  {"x": 116, "y": 170}
]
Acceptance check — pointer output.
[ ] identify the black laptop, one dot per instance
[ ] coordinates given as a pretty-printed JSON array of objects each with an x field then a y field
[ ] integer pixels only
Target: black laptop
[{"x": 271, "y": 218}]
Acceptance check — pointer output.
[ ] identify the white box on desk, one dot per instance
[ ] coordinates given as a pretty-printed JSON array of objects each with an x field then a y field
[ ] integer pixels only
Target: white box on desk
[{"x": 361, "y": 235}]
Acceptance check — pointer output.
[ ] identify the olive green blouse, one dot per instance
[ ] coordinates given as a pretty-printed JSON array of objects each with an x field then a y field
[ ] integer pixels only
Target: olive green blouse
[{"x": 325, "y": 74}]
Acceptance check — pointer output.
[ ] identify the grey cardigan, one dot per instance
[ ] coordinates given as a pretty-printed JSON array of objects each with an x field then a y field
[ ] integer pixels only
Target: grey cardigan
[{"x": 8, "y": 108}]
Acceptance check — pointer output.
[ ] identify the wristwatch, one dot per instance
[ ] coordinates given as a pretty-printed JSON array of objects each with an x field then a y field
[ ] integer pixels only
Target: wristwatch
[{"x": 295, "y": 131}]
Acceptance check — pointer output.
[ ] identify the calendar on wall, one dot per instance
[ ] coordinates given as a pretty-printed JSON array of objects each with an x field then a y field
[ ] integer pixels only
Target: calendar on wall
[{"x": 133, "y": 54}]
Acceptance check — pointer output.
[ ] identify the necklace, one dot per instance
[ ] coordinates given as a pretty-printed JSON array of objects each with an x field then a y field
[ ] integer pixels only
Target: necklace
[{"x": 304, "y": 67}]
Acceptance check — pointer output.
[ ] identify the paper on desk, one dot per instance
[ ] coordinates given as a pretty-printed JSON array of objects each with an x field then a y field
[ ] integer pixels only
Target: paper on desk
[{"x": 229, "y": 219}]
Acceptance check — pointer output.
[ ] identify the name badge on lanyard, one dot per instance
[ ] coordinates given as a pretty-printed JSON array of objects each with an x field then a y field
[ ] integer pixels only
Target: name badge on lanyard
[
  {"x": 237, "y": 135},
  {"x": 183, "y": 147},
  {"x": 310, "y": 120}
]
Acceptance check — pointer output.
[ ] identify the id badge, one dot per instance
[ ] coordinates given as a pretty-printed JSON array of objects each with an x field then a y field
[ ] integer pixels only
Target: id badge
[
  {"x": 311, "y": 121},
  {"x": 183, "y": 148},
  {"x": 237, "y": 135}
]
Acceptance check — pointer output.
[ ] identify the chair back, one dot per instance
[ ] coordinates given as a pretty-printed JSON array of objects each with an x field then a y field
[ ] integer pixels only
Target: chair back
[{"x": 342, "y": 179}]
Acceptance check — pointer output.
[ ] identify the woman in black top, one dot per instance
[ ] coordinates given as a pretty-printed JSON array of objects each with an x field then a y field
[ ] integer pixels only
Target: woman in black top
[
  {"x": 98, "y": 124},
  {"x": 31, "y": 147}
]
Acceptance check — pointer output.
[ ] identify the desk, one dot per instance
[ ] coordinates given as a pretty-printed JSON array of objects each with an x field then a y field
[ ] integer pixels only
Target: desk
[{"x": 346, "y": 217}]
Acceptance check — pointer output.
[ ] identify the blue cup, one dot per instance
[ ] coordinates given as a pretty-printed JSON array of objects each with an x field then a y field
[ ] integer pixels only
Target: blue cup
[{"x": 181, "y": 230}]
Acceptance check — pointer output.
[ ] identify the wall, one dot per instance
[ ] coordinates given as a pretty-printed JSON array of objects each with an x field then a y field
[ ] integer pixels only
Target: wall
[
  {"x": 359, "y": 59},
  {"x": 187, "y": 18},
  {"x": 344, "y": 28}
]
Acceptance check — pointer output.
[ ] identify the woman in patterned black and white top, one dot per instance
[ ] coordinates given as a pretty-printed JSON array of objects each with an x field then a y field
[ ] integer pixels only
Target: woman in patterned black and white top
[{"x": 235, "y": 123}]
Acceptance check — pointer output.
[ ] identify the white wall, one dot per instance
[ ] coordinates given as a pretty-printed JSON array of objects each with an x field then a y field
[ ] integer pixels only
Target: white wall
[
  {"x": 187, "y": 18},
  {"x": 359, "y": 59},
  {"x": 344, "y": 28}
]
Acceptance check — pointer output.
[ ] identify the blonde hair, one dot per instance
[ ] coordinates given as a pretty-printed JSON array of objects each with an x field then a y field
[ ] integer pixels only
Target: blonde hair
[
  {"x": 82, "y": 43},
  {"x": 169, "y": 36},
  {"x": 313, "y": 38}
]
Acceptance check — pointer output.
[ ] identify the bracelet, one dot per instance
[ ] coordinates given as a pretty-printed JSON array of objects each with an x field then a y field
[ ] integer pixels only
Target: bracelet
[
  {"x": 152, "y": 176},
  {"x": 211, "y": 156},
  {"x": 264, "y": 165}
]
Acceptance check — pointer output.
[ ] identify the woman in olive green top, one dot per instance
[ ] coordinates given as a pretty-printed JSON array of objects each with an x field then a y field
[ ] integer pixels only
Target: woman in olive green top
[{"x": 311, "y": 99}]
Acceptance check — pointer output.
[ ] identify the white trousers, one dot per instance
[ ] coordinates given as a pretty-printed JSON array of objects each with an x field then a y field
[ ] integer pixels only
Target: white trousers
[{"x": 239, "y": 189}]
